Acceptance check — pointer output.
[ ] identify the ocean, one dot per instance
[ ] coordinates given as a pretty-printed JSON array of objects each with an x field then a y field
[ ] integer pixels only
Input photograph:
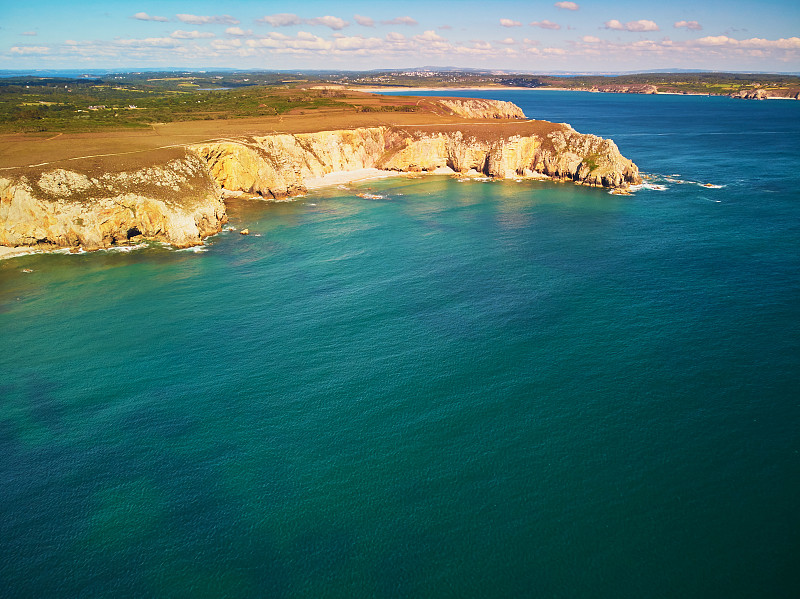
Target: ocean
[{"x": 443, "y": 389}]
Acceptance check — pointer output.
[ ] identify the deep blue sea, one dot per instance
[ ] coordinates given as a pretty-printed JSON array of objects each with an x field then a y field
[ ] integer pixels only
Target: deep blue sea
[{"x": 460, "y": 389}]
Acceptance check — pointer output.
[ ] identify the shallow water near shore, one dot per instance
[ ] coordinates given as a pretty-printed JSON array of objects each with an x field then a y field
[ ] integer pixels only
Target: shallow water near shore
[{"x": 442, "y": 388}]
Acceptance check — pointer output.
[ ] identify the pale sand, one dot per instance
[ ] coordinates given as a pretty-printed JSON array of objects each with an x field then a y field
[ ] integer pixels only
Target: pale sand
[
  {"x": 7, "y": 252},
  {"x": 344, "y": 177}
]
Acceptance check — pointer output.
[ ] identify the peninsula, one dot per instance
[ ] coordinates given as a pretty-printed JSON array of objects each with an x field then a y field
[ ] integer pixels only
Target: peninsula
[{"x": 168, "y": 181}]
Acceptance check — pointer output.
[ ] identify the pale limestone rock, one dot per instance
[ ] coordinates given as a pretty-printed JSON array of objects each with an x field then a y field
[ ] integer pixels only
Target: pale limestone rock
[
  {"x": 473, "y": 108},
  {"x": 178, "y": 203},
  {"x": 280, "y": 165}
]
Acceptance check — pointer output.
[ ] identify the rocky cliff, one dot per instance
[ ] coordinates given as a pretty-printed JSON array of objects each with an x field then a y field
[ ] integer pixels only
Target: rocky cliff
[
  {"x": 276, "y": 166},
  {"x": 472, "y": 108},
  {"x": 177, "y": 202},
  {"x": 177, "y": 197}
]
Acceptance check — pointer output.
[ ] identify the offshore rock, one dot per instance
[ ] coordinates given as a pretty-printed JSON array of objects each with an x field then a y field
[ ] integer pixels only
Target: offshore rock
[{"x": 177, "y": 202}]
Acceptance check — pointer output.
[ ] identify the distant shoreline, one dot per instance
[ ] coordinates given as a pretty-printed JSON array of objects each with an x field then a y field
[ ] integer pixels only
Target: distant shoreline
[{"x": 376, "y": 89}]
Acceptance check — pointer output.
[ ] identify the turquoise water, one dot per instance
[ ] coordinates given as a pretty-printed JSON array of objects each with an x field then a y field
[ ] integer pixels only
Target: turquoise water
[{"x": 461, "y": 389}]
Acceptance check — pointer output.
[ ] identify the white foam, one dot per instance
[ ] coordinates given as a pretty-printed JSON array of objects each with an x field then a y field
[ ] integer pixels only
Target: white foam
[
  {"x": 124, "y": 248},
  {"x": 650, "y": 186}
]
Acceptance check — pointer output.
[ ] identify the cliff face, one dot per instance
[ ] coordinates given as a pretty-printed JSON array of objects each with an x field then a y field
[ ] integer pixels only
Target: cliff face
[
  {"x": 177, "y": 202},
  {"x": 277, "y": 166},
  {"x": 472, "y": 108}
]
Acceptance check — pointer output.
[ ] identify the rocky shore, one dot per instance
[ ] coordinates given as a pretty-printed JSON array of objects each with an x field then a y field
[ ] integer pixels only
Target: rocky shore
[
  {"x": 177, "y": 203},
  {"x": 180, "y": 202},
  {"x": 278, "y": 166}
]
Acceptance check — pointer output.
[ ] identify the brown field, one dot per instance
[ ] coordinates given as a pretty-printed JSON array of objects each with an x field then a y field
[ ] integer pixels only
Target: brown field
[{"x": 126, "y": 149}]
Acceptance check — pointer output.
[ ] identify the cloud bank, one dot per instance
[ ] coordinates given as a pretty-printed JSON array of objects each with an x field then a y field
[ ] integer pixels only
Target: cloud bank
[
  {"x": 640, "y": 25},
  {"x": 546, "y": 25},
  {"x": 143, "y": 16},
  {"x": 690, "y": 25},
  {"x": 214, "y": 20}
]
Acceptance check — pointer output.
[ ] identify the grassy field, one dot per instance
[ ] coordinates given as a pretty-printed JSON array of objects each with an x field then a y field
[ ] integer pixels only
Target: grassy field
[
  {"x": 138, "y": 100},
  {"x": 693, "y": 83},
  {"x": 91, "y": 106}
]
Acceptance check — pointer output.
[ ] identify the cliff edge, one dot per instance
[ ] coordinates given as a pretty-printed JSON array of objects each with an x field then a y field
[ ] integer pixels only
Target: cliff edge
[
  {"x": 174, "y": 194},
  {"x": 278, "y": 166},
  {"x": 177, "y": 202}
]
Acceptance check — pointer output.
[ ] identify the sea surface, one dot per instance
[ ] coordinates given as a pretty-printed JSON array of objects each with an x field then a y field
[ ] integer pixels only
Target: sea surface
[{"x": 444, "y": 389}]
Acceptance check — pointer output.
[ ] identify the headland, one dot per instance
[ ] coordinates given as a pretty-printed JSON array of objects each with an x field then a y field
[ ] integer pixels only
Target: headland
[{"x": 168, "y": 182}]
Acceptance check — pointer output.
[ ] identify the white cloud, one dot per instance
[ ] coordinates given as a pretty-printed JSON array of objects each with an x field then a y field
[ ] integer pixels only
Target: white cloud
[
  {"x": 357, "y": 43},
  {"x": 640, "y": 25},
  {"x": 720, "y": 47},
  {"x": 333, "y": 47},
  {"x": 510, "y": 23},
  {"x": 148, "y": 42},
  {"x": 238, "y": 31},
  {"x": 364, "y": 21},
  {"x": 143, "y": 16},
  {"x": 207, "y": 20},
  {"x": 691, "y": 25},
  {"x": 283, "y": 19},
  {"x": 23, "y": 50},
  {"x": 400, "y": 21},
  {"x": 226, "y": 44},
  {"x": 545, "y": 24},
  {"x": 566, "y": 5},
  {"x": 792, "y": 43},
  {"x": 29, "y": 33},
  {"x": 429, "y": 36},
  {"x": 304, "y": 41},
  {"x": 180, "y": 34},
  {"x": 334, "y": 23}
]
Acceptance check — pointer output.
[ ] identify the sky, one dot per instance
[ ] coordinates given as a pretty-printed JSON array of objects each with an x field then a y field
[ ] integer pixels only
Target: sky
[{"x": 546, "y": 36}]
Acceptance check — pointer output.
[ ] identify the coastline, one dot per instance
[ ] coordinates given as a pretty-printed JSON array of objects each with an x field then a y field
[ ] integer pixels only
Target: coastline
[
  {"x": 109, "y": 198},
  {"x": 372, "y": 90},
  {"x": 386, "y": 90},
  {"x": 333, "y": 179},
  {"x": 7, "y": 252},
  {"x": 347, "y": 177}
]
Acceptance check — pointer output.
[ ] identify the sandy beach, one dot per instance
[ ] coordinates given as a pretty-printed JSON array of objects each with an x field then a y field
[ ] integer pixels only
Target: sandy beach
[
  {"x": 13, "y": 252},
  {"x": 345, "y": 177}
]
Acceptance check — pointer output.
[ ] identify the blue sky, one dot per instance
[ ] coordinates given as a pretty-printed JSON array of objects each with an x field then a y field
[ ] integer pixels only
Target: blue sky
[{"x": 539, "y": 36}]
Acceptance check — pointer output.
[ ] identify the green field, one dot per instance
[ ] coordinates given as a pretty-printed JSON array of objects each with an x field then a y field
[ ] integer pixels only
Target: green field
[
  {"x": 74, "y": 105},
  {"x": 135, "y": 100}
]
